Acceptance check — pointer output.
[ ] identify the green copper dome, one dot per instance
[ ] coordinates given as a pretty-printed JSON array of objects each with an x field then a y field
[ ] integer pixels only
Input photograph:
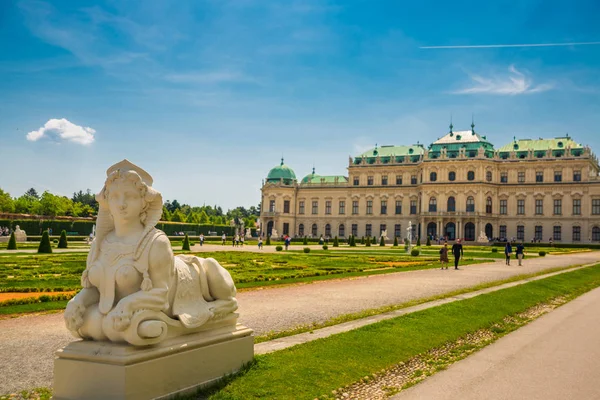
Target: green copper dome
[
  {"x": 308, "y": 178},
  {"x": 281, "y": 171}
]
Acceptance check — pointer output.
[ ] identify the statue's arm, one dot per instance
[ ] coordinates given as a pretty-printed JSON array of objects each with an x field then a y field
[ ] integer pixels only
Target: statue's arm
[{"x": 87, "y": 296}]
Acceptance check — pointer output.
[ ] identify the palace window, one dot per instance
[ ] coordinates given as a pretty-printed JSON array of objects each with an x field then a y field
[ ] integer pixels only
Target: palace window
[
  {"x": 286, "y": 206},
  {"x": 488, "y": 176},
  {"x": 301, "y": 207},
  {"x": 576, "y": 206},
  {"x": 539, "y": 233},
  {"x": 432, "y": 204},
  {"x": 488, "y": 205},
  {"x": 384, "y": 206},
  {"x": 384, "y": 180},
  {"x": 576, "y": 233},
  {"x": 314, "y": 230},
  {"x": 539, "y": 176},
  {"x": 327, "y": 230},
  {"x": 398, "y": 207},
  {"x": 470, "y": 175},
  {"x": 356, "y": 181},
  {"x": 451, "y": 204},
  {"x": 315, "y": 207},
  {"x": 369, "y": 207},
  {"x": 433, "y": 176},
  {"x": 503, "y": 177},
  {"x": 502, "y": 231},
  {"x": 328, "y": 207},
  {"x": 557, "y": 232},
  {"x": 595, "y": 234},
  {"x": 369, "y": 180},
  {"x": 595, "y": 206},
  {"x": 354, "y": 207},
  {"x": 413, "y": 207},
  {"x": 397, "y": 230},
  {"x": 521, "y": 177},
  {"x": 342, "y": 230},
  {"x": 520, "y": 232},
  {"x": 557, "y": 206},
  {"x": 271, "y": 205},
  {"x": 301, "y": 230},
  {"x": 398, "y": 179},
  {"x": 451, "y": 176},
  {"x": 470, "y": 204},
  {"x": 342, "y": 208},
  {"x": 503, "y": 207},
  {"x": 368, "y": 230},
  {"x": 539, "y": 206},
  {"x": 521, "y": 207},
  {"x": 557, "y": 176},
  {"x": 413, "y": 179},
  {"x": 286, "y": 228},
  {"x": 576, "y": 176},
  {"x": 354, "y": 229}
]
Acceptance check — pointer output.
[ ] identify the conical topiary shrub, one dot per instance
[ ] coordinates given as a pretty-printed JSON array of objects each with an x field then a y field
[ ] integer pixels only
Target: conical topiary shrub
[
  {"x": 12, "y": 242},
  {"x": 62, "y": 242},
  {"x": 368, "y": 242},
  {"x": 336, "y": 242},
  {"x": 395, "y": 241},
  {"x": 352, "y": 241},
  {"x": 382, "y": 242},
  {"x": 362, "y": 240},
  {"x": 186, "y": 243},
  {"x": 305, "y": 240},
  {"x": 268, "y": 240},
  {"x": 428, "y": 241},
  {"x": 374, "y": 241},
  {"x": 45, "y": 246},
  {"x": 418, "y": 242}
]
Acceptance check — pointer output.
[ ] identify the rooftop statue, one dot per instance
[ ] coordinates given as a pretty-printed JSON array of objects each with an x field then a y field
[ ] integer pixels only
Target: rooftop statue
[{"x": 134, "y": 289}]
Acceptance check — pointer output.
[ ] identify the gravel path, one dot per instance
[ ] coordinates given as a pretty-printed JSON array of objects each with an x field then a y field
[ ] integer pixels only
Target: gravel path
[{"x": 27, "y": 344}]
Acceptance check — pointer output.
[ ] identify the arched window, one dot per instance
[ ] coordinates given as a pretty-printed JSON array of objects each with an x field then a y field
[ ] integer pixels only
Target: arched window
[
  {"x": 451, "y": 176},
  {"x": 488, "y": 205},
  {"x": 327, "y": 230},
  {"x": 432, "y": 204},
  {"x": 470, "y": 175},
  {"x": 314, "y": 230},
  {"x": 342, "y": 231},
  {"x": 596, "y": 234},
  {"x": 433, "y": 176},
  {"x": 470, "y": 231},
  {"x": 301, "y": 230},
  {"x": 451, "y": 204},
  {"x": 488, "y": 176},
  {"x": 470, "y": 204}
]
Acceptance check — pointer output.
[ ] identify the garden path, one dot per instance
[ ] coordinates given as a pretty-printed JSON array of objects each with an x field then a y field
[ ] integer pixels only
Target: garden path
[{"x": 27, "y": 344}]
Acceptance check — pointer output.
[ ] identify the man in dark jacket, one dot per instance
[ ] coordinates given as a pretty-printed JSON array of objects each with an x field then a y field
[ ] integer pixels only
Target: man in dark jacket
[{"x": 457, "y": 250}]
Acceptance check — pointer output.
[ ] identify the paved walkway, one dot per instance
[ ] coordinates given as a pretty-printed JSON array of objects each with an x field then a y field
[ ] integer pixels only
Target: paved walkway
[
  {"x": 554, "y": 357},
  {"x": 27, "y": 344}
]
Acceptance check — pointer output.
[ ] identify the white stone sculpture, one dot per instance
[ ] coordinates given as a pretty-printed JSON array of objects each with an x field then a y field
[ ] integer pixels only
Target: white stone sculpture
[
  {"x": 409, "y": 236},
  {"x": 384, "y": 234},
  {"x": 482, "y": 237},
  {"x": 248, "y": 232},
  {"x": 274, "y": 234},
  {"x": 134, "y": 289},
  {"x": 20, "y": 234}
]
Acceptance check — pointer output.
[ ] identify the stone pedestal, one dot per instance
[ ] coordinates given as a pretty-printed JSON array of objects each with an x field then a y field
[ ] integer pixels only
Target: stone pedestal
[{"x": 105, "y": 370}]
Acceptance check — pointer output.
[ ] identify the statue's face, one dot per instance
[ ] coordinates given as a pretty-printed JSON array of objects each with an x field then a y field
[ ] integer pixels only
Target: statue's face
[{"x": 124, "y": 200}]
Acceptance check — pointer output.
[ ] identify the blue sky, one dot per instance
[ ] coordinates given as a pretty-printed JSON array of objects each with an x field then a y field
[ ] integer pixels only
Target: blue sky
[{"x": 208, "y": 95}]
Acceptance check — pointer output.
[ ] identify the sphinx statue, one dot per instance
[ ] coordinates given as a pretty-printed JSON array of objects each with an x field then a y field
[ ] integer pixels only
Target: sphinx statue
[
  {"x": 20, "y": 234},
  {"x": 134, "y": 289}
]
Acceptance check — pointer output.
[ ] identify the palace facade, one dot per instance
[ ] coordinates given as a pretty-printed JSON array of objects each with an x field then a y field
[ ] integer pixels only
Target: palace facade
[{"x": 460, "y": 186}]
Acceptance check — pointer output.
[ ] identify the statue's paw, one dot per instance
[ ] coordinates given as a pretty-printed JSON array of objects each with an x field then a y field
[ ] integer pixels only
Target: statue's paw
[
  {"x": 74, "y": 316},
  {"x": 121, "y": 320}
]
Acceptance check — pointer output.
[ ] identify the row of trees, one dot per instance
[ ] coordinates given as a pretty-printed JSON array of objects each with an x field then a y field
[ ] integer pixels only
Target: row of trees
[{"x": 84, "y": 204}]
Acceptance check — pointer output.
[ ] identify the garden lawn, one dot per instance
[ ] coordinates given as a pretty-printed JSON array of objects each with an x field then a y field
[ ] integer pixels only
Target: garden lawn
[{"x": 315, "y": 369}]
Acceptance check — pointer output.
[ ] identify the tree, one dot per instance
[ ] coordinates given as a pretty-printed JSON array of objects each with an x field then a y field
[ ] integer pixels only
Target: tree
[
  {"x": 7, "y": 203},
  {"x": 32, "y": 193},
  {"x": 178, "y": 216},
  {"x": 12, "y": 242},
  {"x": 45, "y": 246},
  {"x": 186, "y": 243},
  {"x": 203, "y": 217},
  {"x": 382, "y": 242},
  {"x": 52, "y": 205},
  {"x": 395, "y": 241},
  {"x": 62, "y": 242}
]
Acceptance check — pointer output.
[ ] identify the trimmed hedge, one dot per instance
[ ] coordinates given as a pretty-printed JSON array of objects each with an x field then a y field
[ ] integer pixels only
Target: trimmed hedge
[
  {"x": 12, "y": 242},
  {"x": 186, "y": 243},
  {"x": 325, "y": 247},
  {"x": 415, "y": 252},
  {"x": 278, "y": 248},
  {"x": 306, "y": 250},
  {"x": 45, "y": 246},
  {"x": 395, "y": 241},
  {"x": 62, "y": 242}
]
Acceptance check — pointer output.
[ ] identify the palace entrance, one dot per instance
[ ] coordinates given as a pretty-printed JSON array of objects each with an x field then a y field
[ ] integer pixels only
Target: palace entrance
[
  {"x": 269, "y": 228},
  {"x": 489, "y": 231},
  {"x": 450, "y": 231},
  {"x": 431, "y": 229},
  {"x": 470, "y": 231}
]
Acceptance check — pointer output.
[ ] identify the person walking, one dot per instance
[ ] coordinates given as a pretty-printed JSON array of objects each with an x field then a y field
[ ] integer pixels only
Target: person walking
[
  {"x": 507, "y": 252},
  {"x": 201, "y": 239},
  {"x": 223, "y": 239},
  {"x": 457, "y": 251},
  {"x": 260, "y": 242},
  {"x": 444, "y": 256},
  {"x": 519, "y": 252}
]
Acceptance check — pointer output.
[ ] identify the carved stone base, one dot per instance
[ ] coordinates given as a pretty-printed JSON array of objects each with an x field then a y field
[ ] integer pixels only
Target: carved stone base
[{"x": 104, "y": 370}]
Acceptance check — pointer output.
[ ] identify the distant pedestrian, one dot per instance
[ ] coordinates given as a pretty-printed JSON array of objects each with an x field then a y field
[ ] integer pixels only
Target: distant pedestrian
[
  {"x": 242, "y": 240},
  {"x": 520, "y": 249},
  {"x": 507, "y": 252},
  {"x": 457, "y": 251},
  {"x": 201, "y": 239},
  {"x": 444, "y": 256},
  {"x": 260, "y": 242},
  {"x": 287, "y": 242},
  {"x": 223, "y": 239}
]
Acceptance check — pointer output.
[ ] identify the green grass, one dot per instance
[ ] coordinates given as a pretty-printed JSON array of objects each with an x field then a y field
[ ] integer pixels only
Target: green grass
[
  {"x": 314, "y": 369},
  {"x": 34, "y": 307}
]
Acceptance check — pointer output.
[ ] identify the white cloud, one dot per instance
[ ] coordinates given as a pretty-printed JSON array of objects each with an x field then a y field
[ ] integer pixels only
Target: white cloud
[
  {"x": 63, "y": 129},
  {"x": 515, "y": 83}
]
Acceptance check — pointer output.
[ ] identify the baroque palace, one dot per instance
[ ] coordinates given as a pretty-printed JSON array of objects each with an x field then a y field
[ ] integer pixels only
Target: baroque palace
[{"x": 457, "y": 187}]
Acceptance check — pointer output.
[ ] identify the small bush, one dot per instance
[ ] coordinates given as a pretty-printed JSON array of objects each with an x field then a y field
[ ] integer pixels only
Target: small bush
[
  {"x": 62, "y": 243},
  {"x": 325, "y": 247},
  {"x": 428, "y": 241},
  {"x": 368, "y": 242},
  {"x": 305, "y": 241},
  {"x": 395, "y": 241},
  {"x": 186, "y": 243},
  {"x": 415, "y": 252},
  {"x": 336, "y": 242},
  {"x": 494, "y": 250},
  {"x": 542, "y": 253},
  {"x": 278, "y": 248},
  {"x": 306, "y": 250},
  {"x": 12, "y": 242},
  {"x": 55, "y": 241},
  {"x": 45, "y": 246},
  {"x": 382, "y": 242}
]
